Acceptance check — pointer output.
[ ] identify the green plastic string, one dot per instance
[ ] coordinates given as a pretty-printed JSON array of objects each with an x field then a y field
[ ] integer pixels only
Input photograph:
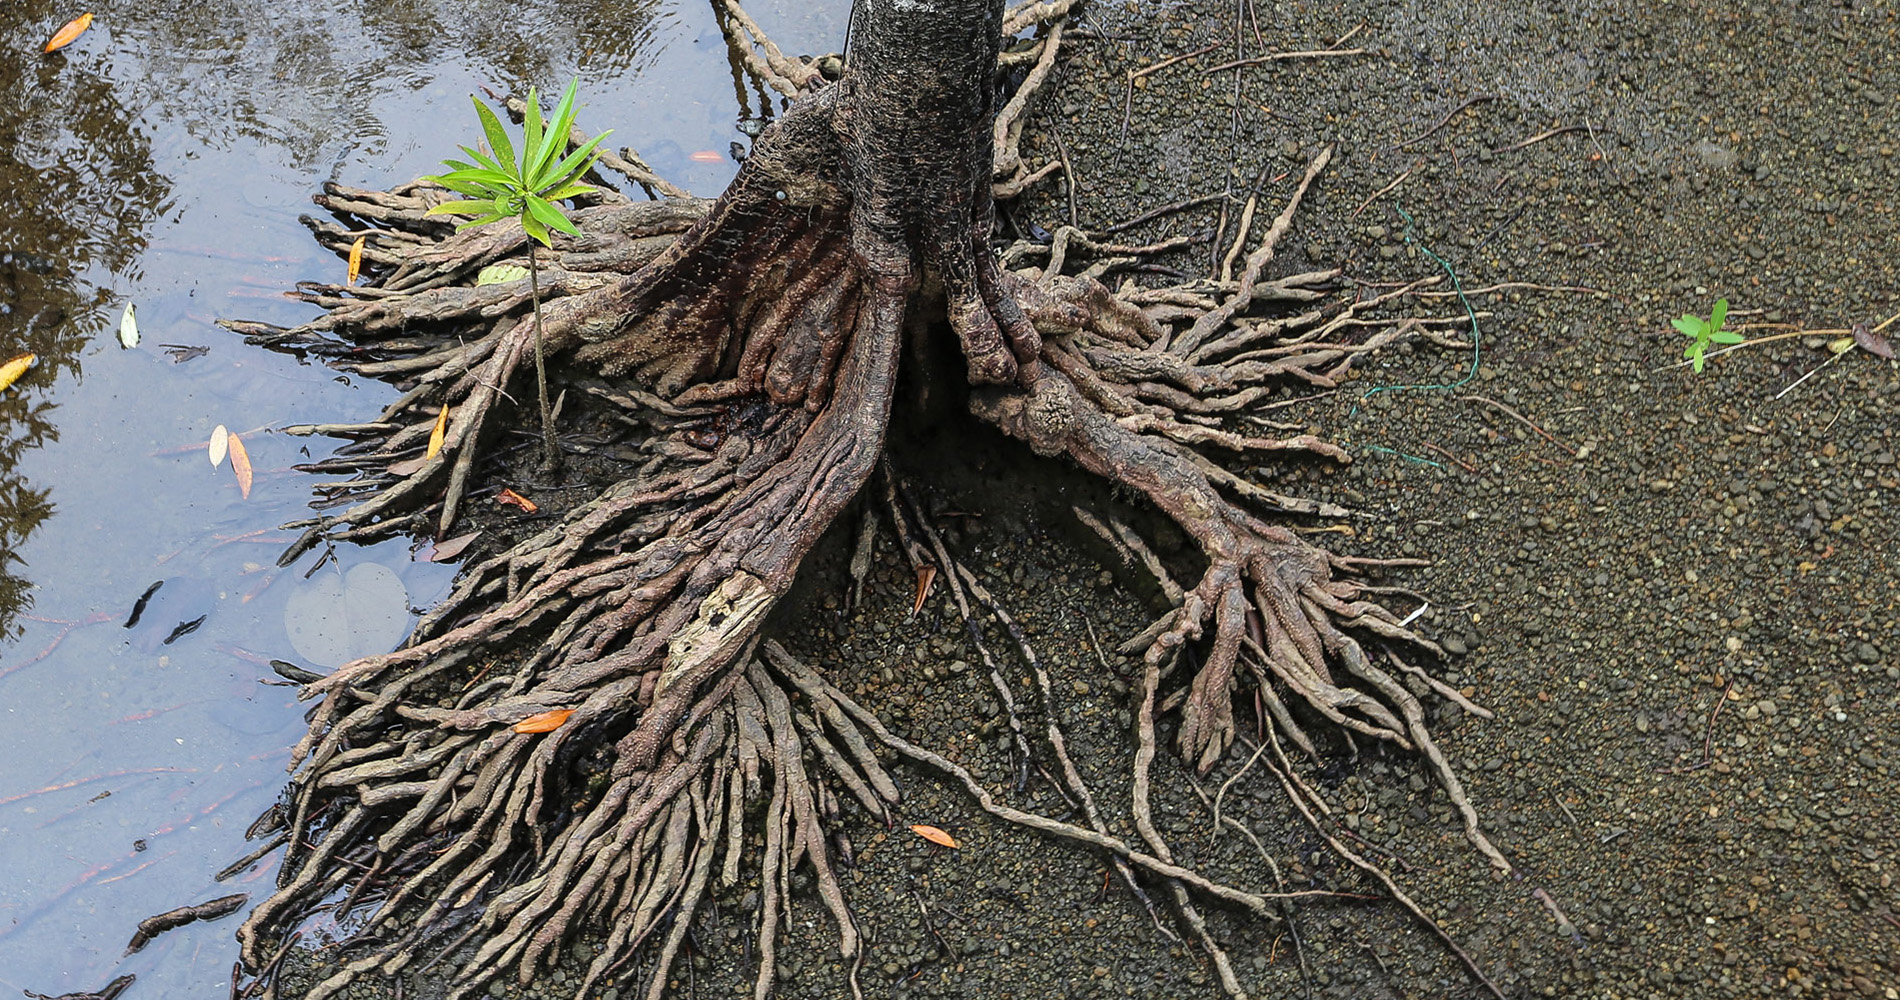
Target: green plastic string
[{"x": 1469, "y": 312}]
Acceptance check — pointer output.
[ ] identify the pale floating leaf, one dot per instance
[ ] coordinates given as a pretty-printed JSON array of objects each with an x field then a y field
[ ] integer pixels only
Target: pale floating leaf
[
  {"x": 439, "y": 433},
  {"x": 240, "y": 464},
  {"x": 128, "y": 329},
  {"x": 499, "y": 274},
  {"x": 339, "y": 617},
  {"x": 12, "y": 370},
  {"x": 220, "y": 443}
]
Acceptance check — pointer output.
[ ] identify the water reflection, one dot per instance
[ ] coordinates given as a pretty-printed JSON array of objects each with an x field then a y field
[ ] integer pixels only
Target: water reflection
[{"x": 163, "y": 159}]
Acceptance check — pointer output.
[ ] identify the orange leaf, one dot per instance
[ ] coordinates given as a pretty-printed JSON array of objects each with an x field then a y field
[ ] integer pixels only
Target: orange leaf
[
  {"x": 12, "y": 370},
  {"x": 71, "y": 30},
  {"x": 513, "y": 499},
  {"x": 356, "y": 259},
  {"x": 441, "y": 431},
  {"x": 934, "y": 835},
  {"x": 546, "y": 722},
  {"x": 241, "y": 464},
  {"x": 925, "y": 574}
]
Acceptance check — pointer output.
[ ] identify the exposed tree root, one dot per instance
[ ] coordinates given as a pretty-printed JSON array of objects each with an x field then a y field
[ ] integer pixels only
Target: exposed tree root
[{"x": 754, "y": 343}]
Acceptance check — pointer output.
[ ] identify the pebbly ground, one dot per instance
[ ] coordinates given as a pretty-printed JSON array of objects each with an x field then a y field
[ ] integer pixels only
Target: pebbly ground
[{"x": 1684, "y": 539}]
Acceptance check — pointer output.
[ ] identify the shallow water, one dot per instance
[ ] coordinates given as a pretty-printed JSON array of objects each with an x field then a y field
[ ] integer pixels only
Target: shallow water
[{"x": 163, "y": 160}]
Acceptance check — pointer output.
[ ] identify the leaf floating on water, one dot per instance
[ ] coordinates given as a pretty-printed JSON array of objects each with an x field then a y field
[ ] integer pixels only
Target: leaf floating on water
[
  {"x": 128, "y": 329},
  {"x": 184, "y": 629},
  {"x": 68, "y": 32},
  {"x": 444, "y": 551},
  {"x": 12, "y": 370},
  {"x": 338, "y": 617},
  {"x": 240, "y": 464},
  {"x": 545, "y": 722},
  {"x": 934, "y": 835},
  {"x": 499, "y": 274},
  {"x": 1871, "y": 342},
  {"x": 513, "y": 499},
  {"x": 220, "y": 443},
  {"x": 440, "y": 432},
  {"x": 356, "y": 258},
  {"x": 138, "y": 606},
  {"x": 181, "y": 353}
]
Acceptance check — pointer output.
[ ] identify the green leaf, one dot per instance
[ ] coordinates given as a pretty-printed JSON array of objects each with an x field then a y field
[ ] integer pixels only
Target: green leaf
[
  {"x": 1697, "y": 362},
  {"x": 499, "y": 274},
  {"x": 577, "y": 162},
  {"x": 483, "y": 221},
  {"x": 1727, "y": 337},
  {"x": 486, "y": 174},
  {"x": 473, "y": 189},
  {"x": 1719, "y": 315},
  {"x": 497, "y": 136},
  {"x": 536, "y": 229},
  {"x": 553, "y": 140},
  {"x": 569, "y": 191},
  {"x": 531, "y": 141},
  {"x": 462, "y": 208},
  {"x": 545, "y": 213},
  {"x": 1691, "y": 326}
]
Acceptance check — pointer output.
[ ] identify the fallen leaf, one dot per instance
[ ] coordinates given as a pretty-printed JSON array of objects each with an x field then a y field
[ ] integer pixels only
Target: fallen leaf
[
  {"x": 356, "y": 259},
  {"x": 338, "y": 617},
  {"x": 545, "y": 722},
  {"x": 706, "y": 156},
  {"x": 128, "y": 329},
  {"x": 444, "y": 551},
  {"x": 408, "y": 466},
  {"x": 934, "y": 835},
  {"x": 513, "y": 499},
  {"x": 1871, "y": 342},
  {"x": 925, "y": 574},
  {"x": 181, "y": 353},
  {"x": 499, "y": 274},
  {"x": 1840, "y": 345},
  {"x": 240, "y": 464},
  {"x": 441, "y": 431},
  {"x": 220, "y": 443},
  {"x": 12, "y": 370},
  {"x": 70, "y": 30}
]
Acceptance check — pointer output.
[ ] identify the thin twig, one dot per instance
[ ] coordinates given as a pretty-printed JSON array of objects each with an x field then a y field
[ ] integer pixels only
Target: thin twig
[
  {"x": 1539, "y": 137},
  {"x": 1522, "y": 419},
  {"x": 1449, "y": 115},
  {"x": 1170, "y": 61},
  {"x": 1283, "y": 56}
]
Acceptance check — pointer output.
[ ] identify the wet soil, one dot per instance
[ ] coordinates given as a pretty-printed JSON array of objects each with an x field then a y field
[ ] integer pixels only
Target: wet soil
[{"x": 1676, "y": 590}]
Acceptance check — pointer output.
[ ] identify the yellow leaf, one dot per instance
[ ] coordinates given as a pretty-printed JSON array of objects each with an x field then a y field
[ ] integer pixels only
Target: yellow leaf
[
  {"x": 934, "y": 835},
  {"x": 220, "y": 443},
  {"x": 546, "y": 722},
  {"x": 513, "y": 499},
  {"x": 441, "y": 431},
  {"x": 12, "y": 370},
  {"x": 71, "y": 30},
  {"x": 241, "y": 464},
  {"x": 356, "y": 258}
]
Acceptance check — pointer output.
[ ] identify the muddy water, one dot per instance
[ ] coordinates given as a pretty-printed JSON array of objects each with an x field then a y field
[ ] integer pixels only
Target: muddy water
[{"x": 162, "y": 160}]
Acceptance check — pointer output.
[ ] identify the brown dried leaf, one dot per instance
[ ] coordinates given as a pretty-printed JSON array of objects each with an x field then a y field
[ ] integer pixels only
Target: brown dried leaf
[
  {"x": 925, "y": 574},
  {"x": 241, "y": 464},
  {"x": 444, "y": 551},
  {"x": 545, "y": 722},
  {"x": 513, "y": 499},
  {"x": 1871, "y": 342},
  {"x": 934, "y": 835}
]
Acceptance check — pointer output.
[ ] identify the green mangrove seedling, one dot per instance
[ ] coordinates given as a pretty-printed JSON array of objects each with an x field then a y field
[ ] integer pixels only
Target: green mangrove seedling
[
  {"x": 524, "y": 188},
  {"x": 1703, "y": 333}
]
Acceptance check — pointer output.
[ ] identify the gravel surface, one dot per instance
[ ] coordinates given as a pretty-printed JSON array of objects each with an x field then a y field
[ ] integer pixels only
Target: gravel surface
[{"x": 1687, "y": 561}]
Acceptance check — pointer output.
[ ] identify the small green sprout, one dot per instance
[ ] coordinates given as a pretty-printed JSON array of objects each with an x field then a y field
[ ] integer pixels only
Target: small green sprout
[
  {"x": 502, "y": 185},
  {"x": 1704, "y": 332}
]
